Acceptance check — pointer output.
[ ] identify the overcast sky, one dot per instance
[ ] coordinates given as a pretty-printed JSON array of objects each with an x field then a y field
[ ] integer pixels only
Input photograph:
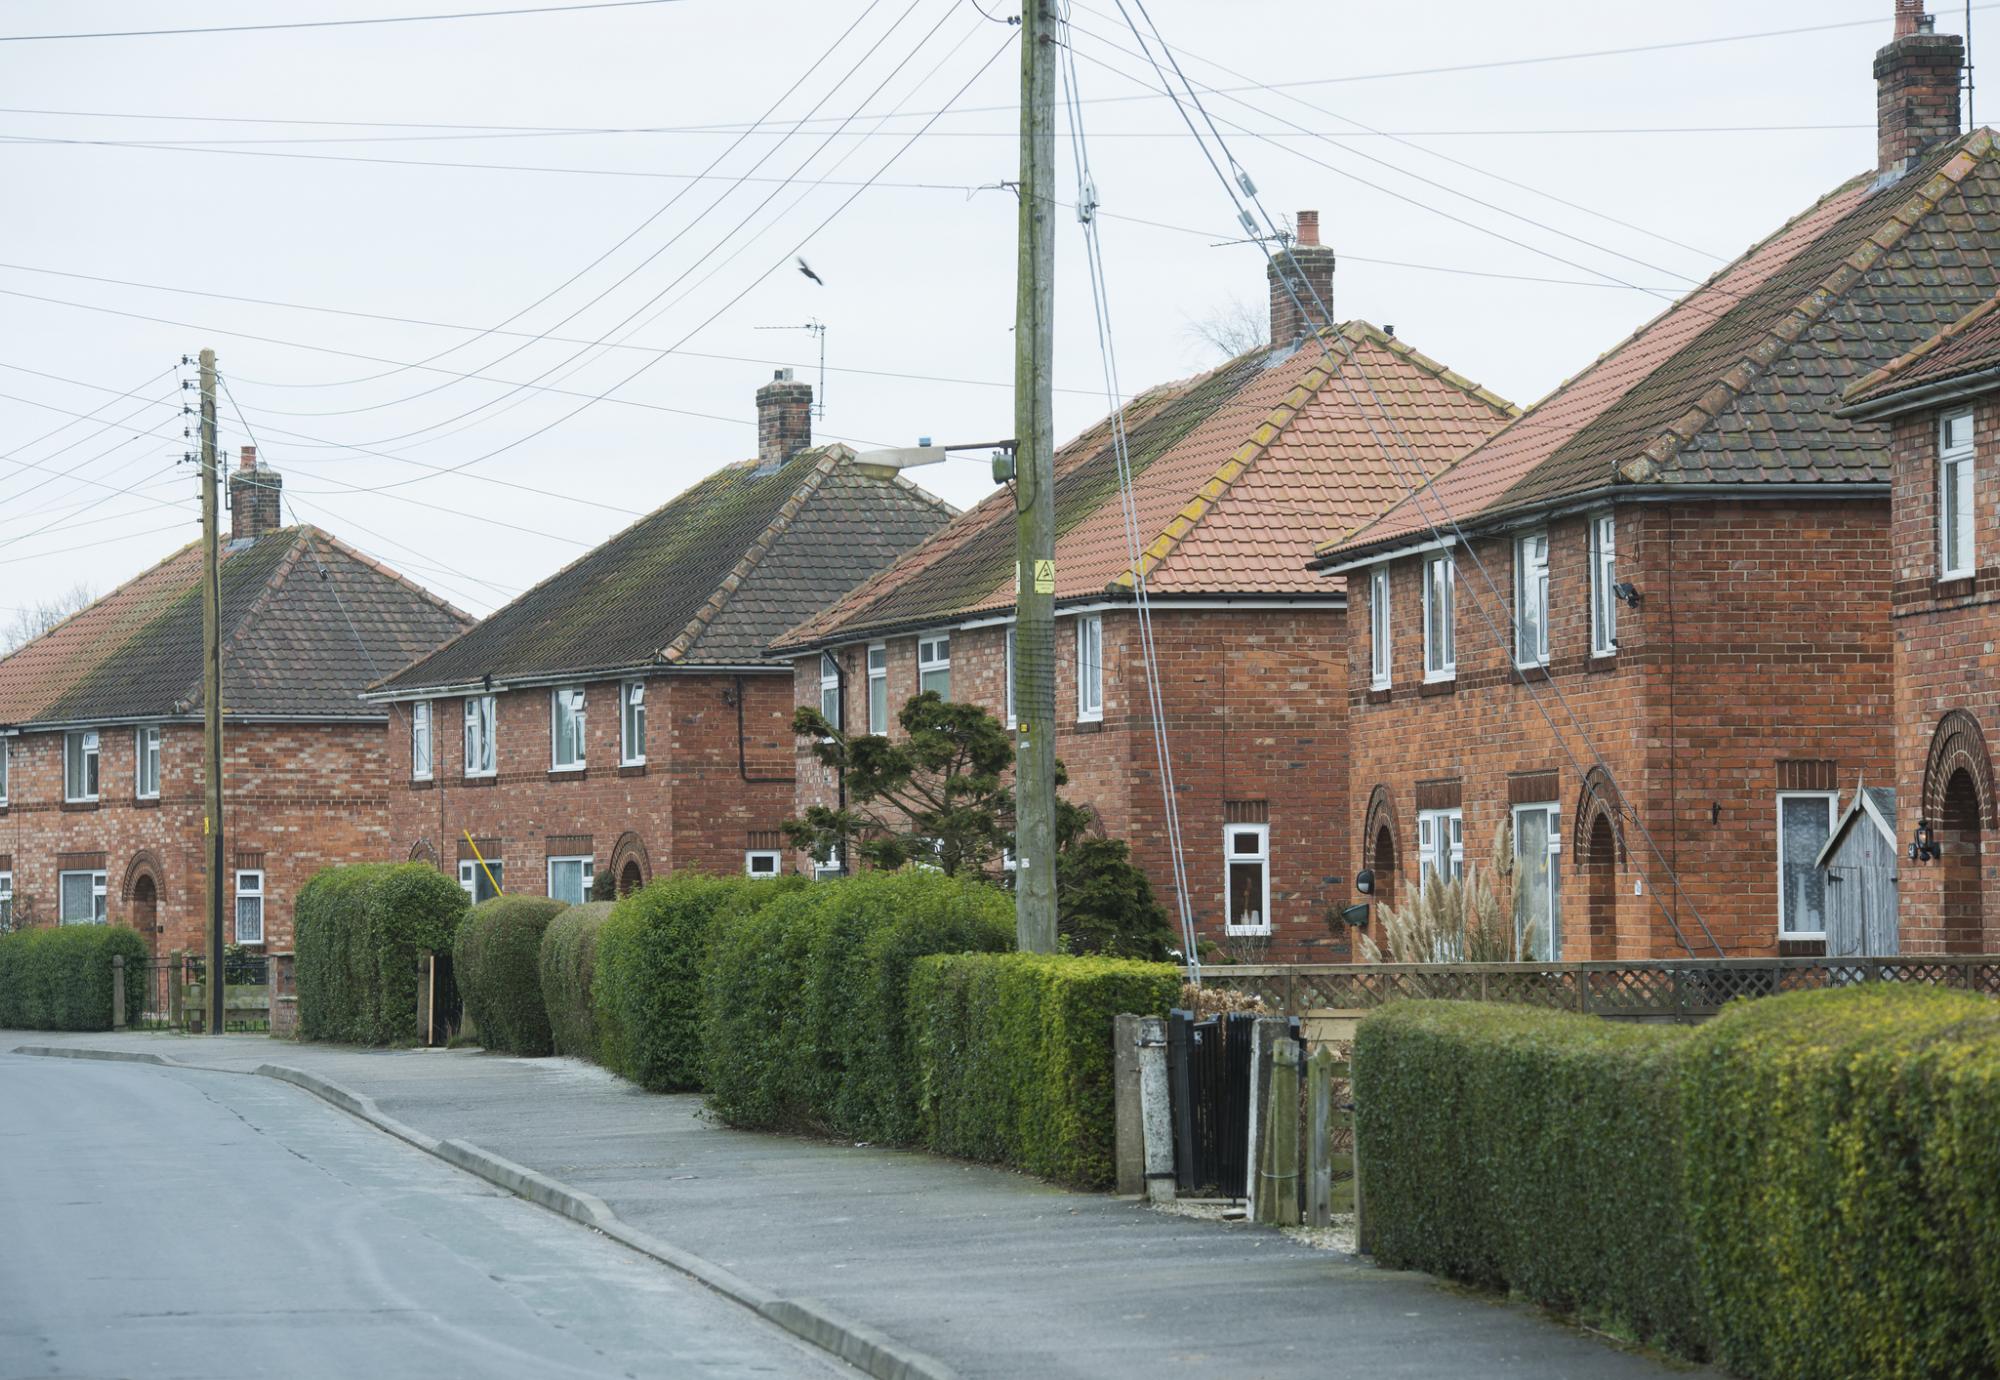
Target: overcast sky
[{"x": 1527, "y": 215}]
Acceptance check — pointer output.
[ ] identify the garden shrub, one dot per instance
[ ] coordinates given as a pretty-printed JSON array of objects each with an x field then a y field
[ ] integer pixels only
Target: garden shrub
[
  {"x": 648, "y": 981},
  {"x": 807, "y": 1019},
  {"x": 496, "y": 959},
  {"x": 1014, "y": 1056},
  {"x": 358, "y": 932},
  {"x": 1844, "y": 1182},
  {"x": 59, "y": 978},
  {"x": 568, "y": 963},
  {"x": 1539, "y": 1151}
]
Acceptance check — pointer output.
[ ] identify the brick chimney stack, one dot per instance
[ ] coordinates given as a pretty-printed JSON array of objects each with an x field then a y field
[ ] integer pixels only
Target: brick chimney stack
[
  {"x": 1307, "y": 268},
  {"x": 784, "y": 420},
  {"x": 1917, "y": 78},
  {"x": 254, "y": 493}
]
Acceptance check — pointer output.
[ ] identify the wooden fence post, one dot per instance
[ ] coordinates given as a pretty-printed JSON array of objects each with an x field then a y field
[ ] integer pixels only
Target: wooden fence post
[
  {"x": 1319, "y": 1139},
  {"x": 1278, "y": 1196},
  {"x": 118, "y": 991}
]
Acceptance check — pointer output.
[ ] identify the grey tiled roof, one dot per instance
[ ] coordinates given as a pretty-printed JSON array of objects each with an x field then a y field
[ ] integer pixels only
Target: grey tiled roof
[
  {"x": 308, "y": 623},
  {"x": 707, "y": 580}
]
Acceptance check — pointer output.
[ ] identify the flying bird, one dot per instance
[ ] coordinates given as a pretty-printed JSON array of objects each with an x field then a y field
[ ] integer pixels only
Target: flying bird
[{"x": 807, "y": 269}]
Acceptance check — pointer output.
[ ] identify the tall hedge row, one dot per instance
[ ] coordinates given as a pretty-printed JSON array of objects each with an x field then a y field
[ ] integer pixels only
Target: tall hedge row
[
  {"x": 59, "y": 978},
  {"x": 651, "y": 954},
  {"x": 496, "y": 960},
  {"x": 1807, "y": 1186},
  {"x": 806, "y": 1013},
  {"x": 568, "y": 962},
  {"x": 358, "y": 932},
  {"x": 1013, "y": 1056}
]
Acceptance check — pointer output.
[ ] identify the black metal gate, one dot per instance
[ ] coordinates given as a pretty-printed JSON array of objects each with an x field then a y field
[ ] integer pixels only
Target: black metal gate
[
  {"x": 443, "y": 1008},
  {"x": 1208, "y": 1070}
]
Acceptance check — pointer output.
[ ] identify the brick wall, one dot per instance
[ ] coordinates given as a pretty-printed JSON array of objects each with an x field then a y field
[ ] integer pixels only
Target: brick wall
[
  {"x": 1759, "y": 656},
  {"x": 1946, "y": 670},
  {"x": 688, "y": 805},
  {"x": 1255, "y": 705},
  {"x": 301, "y": 797}
]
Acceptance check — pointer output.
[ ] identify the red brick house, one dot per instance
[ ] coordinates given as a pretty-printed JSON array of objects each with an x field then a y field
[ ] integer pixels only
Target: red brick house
[
  {"x": 101, "y": 780},
  {"x": 621, "y": 716},
  {"x": 1942, "y": 402},
  {"x": 1237, "y": 474},
  {"x": 1646, "y": 628}
]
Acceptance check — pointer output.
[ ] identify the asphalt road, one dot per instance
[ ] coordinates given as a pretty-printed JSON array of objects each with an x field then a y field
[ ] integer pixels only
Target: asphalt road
[{"x": 161, "y": 1222}]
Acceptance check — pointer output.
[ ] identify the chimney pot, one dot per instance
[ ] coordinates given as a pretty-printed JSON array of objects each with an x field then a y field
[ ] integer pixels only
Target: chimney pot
[
  {"x": 784, "y": 420},
  {"x": 249, "y": 460},
  {"x": 1308, "y": 227},
  {"x": 1917, "y": 88}
]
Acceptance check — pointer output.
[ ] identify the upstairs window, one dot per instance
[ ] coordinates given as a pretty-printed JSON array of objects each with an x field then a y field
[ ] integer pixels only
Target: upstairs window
[
  {"x": 1247, "y": 857},
  {"x": 1090, "y": 668},
  {"x": 420, "y": 741},
  {"x": 146, "y": 759},
  {"x": 1956, "y": 557},
  {"x": 1531, "y": 600},
  {"x": 479, "y": 755},
  {"x": 934, "y": 665},
  {"x": 632, "y": 723},
  {"x": 569, "y": 880},
  {"x": 250, "y": 908},
  {"x": 1440, "y": 629},
  {"x": 1378, "y": 628},
  {"x": 80, "y": 765},
  {"x": 566, "y": 729},
  {"x": 1603, "y": 585},
  {"x": 80, "y": 898},
  {"x": 6, "y": 748},
  {"x": 878, "y": 688},
  {"x": 829, "y": 689}
]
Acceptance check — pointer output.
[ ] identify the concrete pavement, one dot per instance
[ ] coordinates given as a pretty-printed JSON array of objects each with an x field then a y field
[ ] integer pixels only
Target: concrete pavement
[
  {"x": 996, "y": 1274},
  {"x": 161, "y": 1222}
]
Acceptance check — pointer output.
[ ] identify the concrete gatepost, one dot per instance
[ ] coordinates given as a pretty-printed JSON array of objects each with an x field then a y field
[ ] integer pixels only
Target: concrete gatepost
[
  {"x": 1156, "y": 1112},
  {"x": 118, "y": 991},
  {"x": 1278, "y": 1190},
  {"x": 1128, "y": 1117}
]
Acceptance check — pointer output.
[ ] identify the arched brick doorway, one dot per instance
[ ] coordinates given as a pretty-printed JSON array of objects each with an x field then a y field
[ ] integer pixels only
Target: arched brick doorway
[
  {"x": 146, "y": 911},
  {"x": 1959, "y": 836},
  {"x": 1382, "y": 859},
  {"x": 1600, "y": 865},
  {"x": 630, "y": 879}
]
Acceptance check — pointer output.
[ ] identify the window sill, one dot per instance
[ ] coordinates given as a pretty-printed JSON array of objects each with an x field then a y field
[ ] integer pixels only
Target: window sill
[
  {"x": 146, "y": 802},
  {"x": 474, "y": 781},
  {"x": 1244, "y": 932},
  {"x": 1952, "y": 587},
  {"x": 569, "y": 774},
  {"x": 633, "y": 769},
  {"x": 421, "y": 783},
  {"x": 1379, "y": 694},
  {"x": 1601, "y": 661},
  {"x": 1537, "y": 672},
  {"x": 1802, "y": 946},
  {"x": 1448, "y": 686},
  {"x": 79, "y": 806},
  {"x": 1090, "y": 725}
]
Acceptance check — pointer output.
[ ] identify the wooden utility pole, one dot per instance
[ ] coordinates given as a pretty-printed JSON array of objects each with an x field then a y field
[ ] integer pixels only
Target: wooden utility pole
[
  {"x": 211, "y": 688},
  {"x": 1034, "y": 494}
]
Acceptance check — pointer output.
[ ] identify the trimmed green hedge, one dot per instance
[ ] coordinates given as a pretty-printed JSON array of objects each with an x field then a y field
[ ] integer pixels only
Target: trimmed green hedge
[
  {"x": 568, "y": 962},
  {"x": 807, "y": 1018},
  {"x": 648, "y": 984},
  {"x": 1014, "y": 1056},
  {"x": 59, "y": 978},
  {"x": 1533, "y": 1150},
  {"x": 1844, "y": 1183},
  {"x": 1807, "y": 1186},
  {"x": 358, "y": 932},
  {"x": 496, "y": 959}
]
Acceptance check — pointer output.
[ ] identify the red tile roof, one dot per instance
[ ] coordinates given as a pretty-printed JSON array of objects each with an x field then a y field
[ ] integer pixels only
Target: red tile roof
[{"x": 1238, "y": 473}]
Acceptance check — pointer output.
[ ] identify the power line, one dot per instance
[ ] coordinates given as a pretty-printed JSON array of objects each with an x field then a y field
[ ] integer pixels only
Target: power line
[{"x": 340, "y": 23}]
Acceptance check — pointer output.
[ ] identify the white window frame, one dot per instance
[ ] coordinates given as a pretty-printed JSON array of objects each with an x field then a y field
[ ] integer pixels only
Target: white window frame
[
  {"x": 631, "y": 716},
  {"x": 773, "y": 859},
  {"x": 469, "y": 874},
  {"x": 1381, "y": 665},
  {"x": 91, "y": 748},
  {"x": 1440, "y": 844},
  {"x": 482, "y": 715},
  {"x": 1230, "y": 858},
  {"x": 829, "y": 690},
  {"x": 1603, "y": 578},
  {"x": 1009, "y": 696},
  {"x": 423, "y": 741},
  {"x": 589, "y": 873},
  {"x": 1531, "y": 600},
  {"x": 934, "y": 659},
  {"x": 1552, "y": 922},
  {"x": 579, "y": 737},
  {"x": 254, "y": 893},
  {"x": 878, "y": 685},
  {"x": 1440, "y": 625},
  {"x": 1090, "y": 673},
  {"x": 1832, "y": 799},
  {"x": 99, "y": 898},
  {"x": 145, "y": 754},
  {"x": 6, "y": 902},
  {"x": 830, "y": 868},
  {"x": 6, "y": 752},
  {"x": 1956, "y": 501}
]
